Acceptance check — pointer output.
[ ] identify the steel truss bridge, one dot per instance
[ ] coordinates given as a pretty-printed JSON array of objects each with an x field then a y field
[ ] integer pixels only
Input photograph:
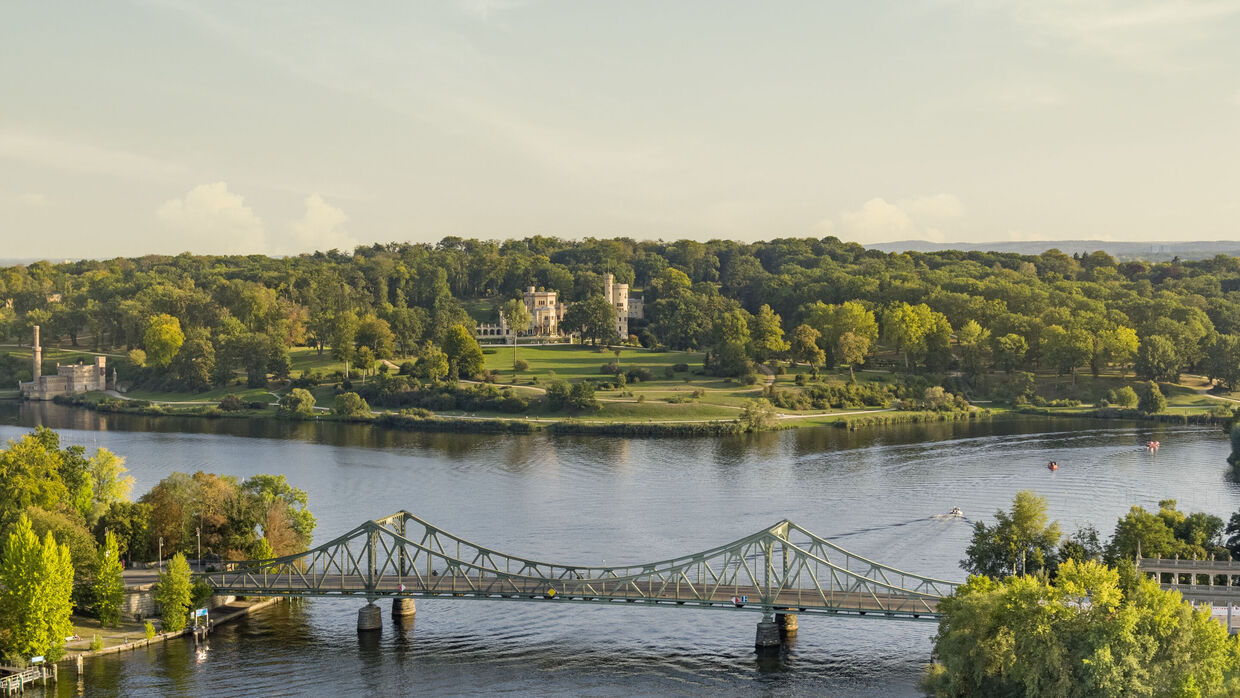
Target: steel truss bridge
[{"x": 781, "y": 569}]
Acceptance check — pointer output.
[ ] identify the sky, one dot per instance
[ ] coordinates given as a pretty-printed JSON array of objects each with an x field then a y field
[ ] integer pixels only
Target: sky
[{"x": 279, "y": 127}]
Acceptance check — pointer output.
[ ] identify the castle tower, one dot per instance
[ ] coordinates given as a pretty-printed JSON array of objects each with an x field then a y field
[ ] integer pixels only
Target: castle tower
[{"x": 37, "y": 366}]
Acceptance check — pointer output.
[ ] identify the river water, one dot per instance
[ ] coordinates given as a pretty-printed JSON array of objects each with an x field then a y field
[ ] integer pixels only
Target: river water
[{"x": 589, "y": 500}]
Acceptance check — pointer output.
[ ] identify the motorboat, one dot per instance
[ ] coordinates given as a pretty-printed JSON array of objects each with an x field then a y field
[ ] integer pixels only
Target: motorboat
[
  {"x": 1052, "y": 466},
  {"x": 955, "y": 513},
  {"x": 1152, "y": 445}
]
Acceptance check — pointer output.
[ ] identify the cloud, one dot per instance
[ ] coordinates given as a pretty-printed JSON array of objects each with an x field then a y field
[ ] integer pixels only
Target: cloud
[
  {"x": 34, "y": 200},
  {"x": 917, "y": 218},
  {"x": 209, "y": 218},
  {"x": 1235, "y": 99},
  {"x": 76, "y": 156},
  {"x": 1145, "y": 34},
  {"x": 320, "y": 228}
]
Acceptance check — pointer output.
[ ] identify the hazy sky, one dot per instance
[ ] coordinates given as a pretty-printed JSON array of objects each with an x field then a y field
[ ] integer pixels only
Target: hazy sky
[{"x": 263, "y": 126}]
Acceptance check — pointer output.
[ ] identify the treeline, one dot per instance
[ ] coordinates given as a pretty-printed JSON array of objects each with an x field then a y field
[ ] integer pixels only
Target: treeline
[
  {"x": 194, "y": 321},
  {"x": 68, "y": 527}
]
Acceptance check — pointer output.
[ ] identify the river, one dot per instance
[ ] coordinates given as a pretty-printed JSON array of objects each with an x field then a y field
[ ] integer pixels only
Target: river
[{"x": 586, "y": 500}]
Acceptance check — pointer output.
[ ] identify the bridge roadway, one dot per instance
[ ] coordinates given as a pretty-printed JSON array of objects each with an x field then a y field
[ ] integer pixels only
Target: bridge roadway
[{"x": 806, "y": 601}]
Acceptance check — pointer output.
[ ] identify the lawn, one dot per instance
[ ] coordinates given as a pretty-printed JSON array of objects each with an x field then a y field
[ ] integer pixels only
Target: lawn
[
  {"x": 574, "y": 362},
  {"x": 213, "y": 395}
]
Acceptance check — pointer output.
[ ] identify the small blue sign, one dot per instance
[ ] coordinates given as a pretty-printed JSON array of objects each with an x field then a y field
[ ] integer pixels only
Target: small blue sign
[{"x": 201, "y": 613}]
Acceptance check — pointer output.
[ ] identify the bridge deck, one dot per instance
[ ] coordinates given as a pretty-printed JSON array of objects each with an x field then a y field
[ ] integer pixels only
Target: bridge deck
[{"x": 605, "y": 591}]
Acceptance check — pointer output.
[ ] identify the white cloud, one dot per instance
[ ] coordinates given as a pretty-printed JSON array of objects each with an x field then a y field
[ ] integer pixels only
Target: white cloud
[
  {"x": 918, "y": 218},
  {"x": 76, "y": 156},
  {"x": 34, "y": 200},
  {"x": 320, "y": 228},
  {"x": 209, "y": 218},
  {"x": 1235, "y": 99}
]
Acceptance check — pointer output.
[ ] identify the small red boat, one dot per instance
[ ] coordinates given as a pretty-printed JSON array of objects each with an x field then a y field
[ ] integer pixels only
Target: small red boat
[
  {"x": 1052, "y": 466},
  {"x": 1151, "y": 445}
]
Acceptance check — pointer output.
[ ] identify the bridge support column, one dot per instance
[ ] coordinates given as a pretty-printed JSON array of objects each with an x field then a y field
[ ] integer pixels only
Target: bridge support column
[
  {"x": 767, "y": 641},
  {"x": 787, "y": 624},
  {"x": 403, "y": 607},
  {"x": 369, "y": 618}
]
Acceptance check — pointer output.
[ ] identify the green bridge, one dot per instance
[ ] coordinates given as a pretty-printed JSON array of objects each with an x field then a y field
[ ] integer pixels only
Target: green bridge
[{"x": 780, "y": 572}]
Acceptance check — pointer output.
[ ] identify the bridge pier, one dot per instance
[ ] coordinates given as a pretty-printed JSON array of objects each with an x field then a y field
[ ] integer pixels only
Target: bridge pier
[
  {"x": 767, "y": 640},
  {"x": 403, "y": 607},
  {"x": 787, "y": 625},
  {"x": 369, "y": 617}
]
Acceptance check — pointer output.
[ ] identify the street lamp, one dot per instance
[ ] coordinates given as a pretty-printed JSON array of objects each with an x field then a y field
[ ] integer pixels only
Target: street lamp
[
  {"x": 199, "y": 530},
  {"x": 161, "y": 552}
]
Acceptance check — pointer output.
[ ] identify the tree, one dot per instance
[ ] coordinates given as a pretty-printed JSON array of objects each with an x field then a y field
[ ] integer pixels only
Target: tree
[
  {"x": 1151, "y": 399},
  {"x": 595, "y": 318},
  {"x": 1080, "y": 635},
  {"x": 162, "y": 339},
  {"x": 111, "y": 484},
  {"x": 343, "y": 334},
  {"x": 464, "y": 354},
  {"x": 758, "y": 414},
  {"x": 852, "y": 350},
  {"x": 1116, "y": 346},
  {"x": 432, "y": 363},
  {"x": 1158, "y": 359},
  {"x": 731, "y": 344},
  {"x": 36, "y": 591},
  {"x": 109, "y": 583},
  {"x": 766, "y": 335},
  {"x": 1125, "y": 397},
  {"x": 517, "y": 316},
  {"x": 174, "y": 593},
  {"x": 1010, "y": 350},
  {"x": 30, "y": 476},
  {"x": 137, "y": 357},
  {"x": 377, "y": 334},
  {"x": 262, "y": 550},
  {"x": 974, "y": 347},
  {"x": 297, "y": 402},
  {"x": 194, "y": 365},
  {"x": 364, "y": 360},
  {"x": 1066, "y": 349},
  {"x": 351, "y": 406},
  {"x": 1018, "y": 543},
  {"x": 804, "y": 347},
  {"x": 833, "y": 321}
]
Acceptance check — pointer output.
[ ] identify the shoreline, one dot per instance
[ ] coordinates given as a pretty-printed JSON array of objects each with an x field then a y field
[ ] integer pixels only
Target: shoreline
[
  {"x": 530, "y": 424},
  {"x": 239, "y": 610}
]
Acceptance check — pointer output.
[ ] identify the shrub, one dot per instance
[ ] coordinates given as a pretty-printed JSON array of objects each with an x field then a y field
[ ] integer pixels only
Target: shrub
[
  {"x": 520, "y": 365},
  {"x": 231, "y": 402},
  {"x": 610, "y": 368},
  {"x": 669, "y": 372},
  {"x": 255, "y": 405},
  {"x": 96, "y": 643},
  {"x": 748, "y": 379},
  {"x": 351, "y": 406},
  {"x": 680, "y": 368},
  {"x": 149, "y": 630},
  {"x": 406, "y": 368},
  {"x": 297, "y": 402}
]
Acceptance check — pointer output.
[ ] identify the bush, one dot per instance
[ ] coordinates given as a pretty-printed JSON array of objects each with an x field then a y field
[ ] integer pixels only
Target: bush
[
  {"x": 520, "y": 365},
  {"x": 255, "y": 405},
  {"x": 298, "y": 402},
  {"x": 610, "y": 368},
  {"x": 351, "y": 406},
  {"x": 406, "y": 368},
  {"x": 669, "y": 372},
  {"x": 149, "y": 630},
  {"x": 638, "y": 374},
  {"x": 96, "y": 643},
  {"x": 748, "y": 379},
  {"x": 680, "y": 368},
  {"x": 231, "y": 403}
]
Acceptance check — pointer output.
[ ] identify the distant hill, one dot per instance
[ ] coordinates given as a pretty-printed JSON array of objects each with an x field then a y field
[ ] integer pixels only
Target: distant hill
[{"x": 1122, "y": 251}]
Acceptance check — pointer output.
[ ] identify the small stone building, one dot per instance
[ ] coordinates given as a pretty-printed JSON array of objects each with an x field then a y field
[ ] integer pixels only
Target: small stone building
[{"x": 69, "y": 379}]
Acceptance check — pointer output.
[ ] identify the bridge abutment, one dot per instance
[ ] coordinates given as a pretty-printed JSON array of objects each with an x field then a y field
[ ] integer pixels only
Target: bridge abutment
[
  {"x": 403, "y": 608},
  {"x": 369, "y": 617},
  {"x": 767, "y": 640}
]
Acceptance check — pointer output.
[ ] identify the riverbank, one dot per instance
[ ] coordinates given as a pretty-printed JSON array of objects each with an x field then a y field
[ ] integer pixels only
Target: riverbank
[
  {"x": 132, "y": 635},
  {"x": 424, "y": 421}
]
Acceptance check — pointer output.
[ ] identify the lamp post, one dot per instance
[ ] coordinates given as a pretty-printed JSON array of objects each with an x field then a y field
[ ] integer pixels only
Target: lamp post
[
  {"x": 161, "y": 552},
  {"x": 199, "y": 530}
]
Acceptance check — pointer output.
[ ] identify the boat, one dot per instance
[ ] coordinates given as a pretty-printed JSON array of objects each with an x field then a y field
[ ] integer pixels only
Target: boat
[
  {"x": 1052, "y": 466},
  {"x": 955, "y": 513},
  {"x": 1152, "y": 445}
]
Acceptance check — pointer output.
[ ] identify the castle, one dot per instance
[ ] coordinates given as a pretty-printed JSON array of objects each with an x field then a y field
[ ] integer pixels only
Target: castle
[
  {"x": 546, "y": 313},
  {"x": 69, "y": 379}
]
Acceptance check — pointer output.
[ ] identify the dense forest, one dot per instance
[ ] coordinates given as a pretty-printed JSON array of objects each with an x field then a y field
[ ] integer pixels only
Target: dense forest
[{"x": 196, "y": 321}]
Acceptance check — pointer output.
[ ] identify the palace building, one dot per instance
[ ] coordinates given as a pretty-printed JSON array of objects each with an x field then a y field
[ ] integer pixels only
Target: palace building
[{"x": 69, "y": 379}]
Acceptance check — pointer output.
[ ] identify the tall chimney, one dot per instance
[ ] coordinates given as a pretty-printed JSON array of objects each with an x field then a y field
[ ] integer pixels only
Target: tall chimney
[{"x": 38, "y": 356}]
